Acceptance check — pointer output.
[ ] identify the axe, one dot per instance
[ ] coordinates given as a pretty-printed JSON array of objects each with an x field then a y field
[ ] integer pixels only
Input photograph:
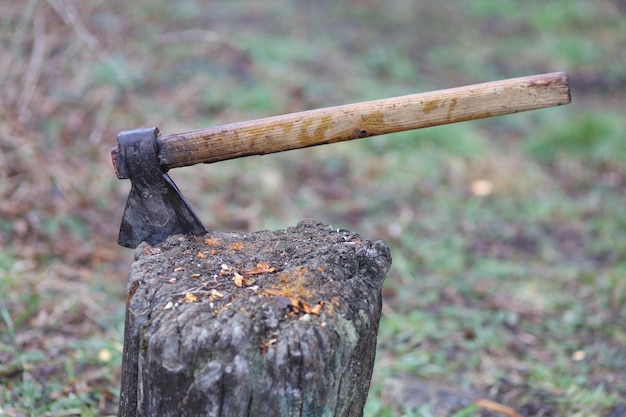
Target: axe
[{"x": 156, "y": 209}]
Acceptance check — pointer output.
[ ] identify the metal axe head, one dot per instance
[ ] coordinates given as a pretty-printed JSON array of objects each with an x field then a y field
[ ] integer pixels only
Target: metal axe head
[{"x": 155, "y": 208}]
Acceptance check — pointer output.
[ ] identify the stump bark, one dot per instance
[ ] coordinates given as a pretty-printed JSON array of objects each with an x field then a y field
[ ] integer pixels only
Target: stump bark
[{"x": 274, "y": 323}]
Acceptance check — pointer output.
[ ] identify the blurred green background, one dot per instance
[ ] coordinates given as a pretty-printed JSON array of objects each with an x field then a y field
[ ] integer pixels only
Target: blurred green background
[{"x": 508, "y": 235}]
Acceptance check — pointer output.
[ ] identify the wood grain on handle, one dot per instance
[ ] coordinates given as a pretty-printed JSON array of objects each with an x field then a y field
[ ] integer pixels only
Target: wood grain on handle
[{"x": 359, "y": 120}]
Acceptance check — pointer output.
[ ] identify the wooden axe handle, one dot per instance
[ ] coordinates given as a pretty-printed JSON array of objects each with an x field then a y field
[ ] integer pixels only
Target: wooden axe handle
[{"x": 359, "y": 120}]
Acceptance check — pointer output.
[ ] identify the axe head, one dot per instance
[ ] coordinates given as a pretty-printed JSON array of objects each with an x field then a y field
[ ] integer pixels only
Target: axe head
[{"x": 155, "y": 208}]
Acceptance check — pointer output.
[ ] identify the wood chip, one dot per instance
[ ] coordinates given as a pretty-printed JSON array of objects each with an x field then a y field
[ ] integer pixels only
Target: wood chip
[
  {"x": 239, "y": 279},
  {"x": 215, "y": 294},
  {"x": 317, "y": 309},
  {"x": 237, "y": 246},
  {"x": 261, "y": 268},
  {"x": 190, "y": 298}
]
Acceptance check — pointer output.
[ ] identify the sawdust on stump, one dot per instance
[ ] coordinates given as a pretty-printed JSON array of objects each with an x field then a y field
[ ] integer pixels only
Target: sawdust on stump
[{"x": 273, "y": 323}]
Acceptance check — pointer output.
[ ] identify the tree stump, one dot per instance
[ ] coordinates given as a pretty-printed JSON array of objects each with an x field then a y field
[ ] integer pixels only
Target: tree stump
[{"x": 274, "y": 323}]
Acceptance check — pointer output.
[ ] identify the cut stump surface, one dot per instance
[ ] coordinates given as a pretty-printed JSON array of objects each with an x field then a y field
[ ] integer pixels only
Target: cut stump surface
[{"x": 274, "y": 323}]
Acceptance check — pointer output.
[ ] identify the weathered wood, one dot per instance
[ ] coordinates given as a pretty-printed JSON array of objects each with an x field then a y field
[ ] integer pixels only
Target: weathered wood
[
  {"x": 359, "y": 120},
  {"x": 275, "y": 323}
]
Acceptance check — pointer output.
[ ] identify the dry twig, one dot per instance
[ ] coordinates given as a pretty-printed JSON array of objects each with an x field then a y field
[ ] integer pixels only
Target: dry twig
[{"x": 496, "y": 407}]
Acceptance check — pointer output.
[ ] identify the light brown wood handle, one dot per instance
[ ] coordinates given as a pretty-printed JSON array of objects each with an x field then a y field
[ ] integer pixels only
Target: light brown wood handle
[{"x": 359, "y": 120}]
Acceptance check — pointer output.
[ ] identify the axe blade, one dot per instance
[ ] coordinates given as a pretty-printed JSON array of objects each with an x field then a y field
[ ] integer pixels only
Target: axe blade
[{"x": 155, "y": 208}]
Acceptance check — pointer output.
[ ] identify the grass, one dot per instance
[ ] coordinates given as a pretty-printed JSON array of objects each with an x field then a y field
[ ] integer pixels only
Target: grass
[
  {"x": 66, "y": 362},
  {"x": 506, "y": 234}
]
